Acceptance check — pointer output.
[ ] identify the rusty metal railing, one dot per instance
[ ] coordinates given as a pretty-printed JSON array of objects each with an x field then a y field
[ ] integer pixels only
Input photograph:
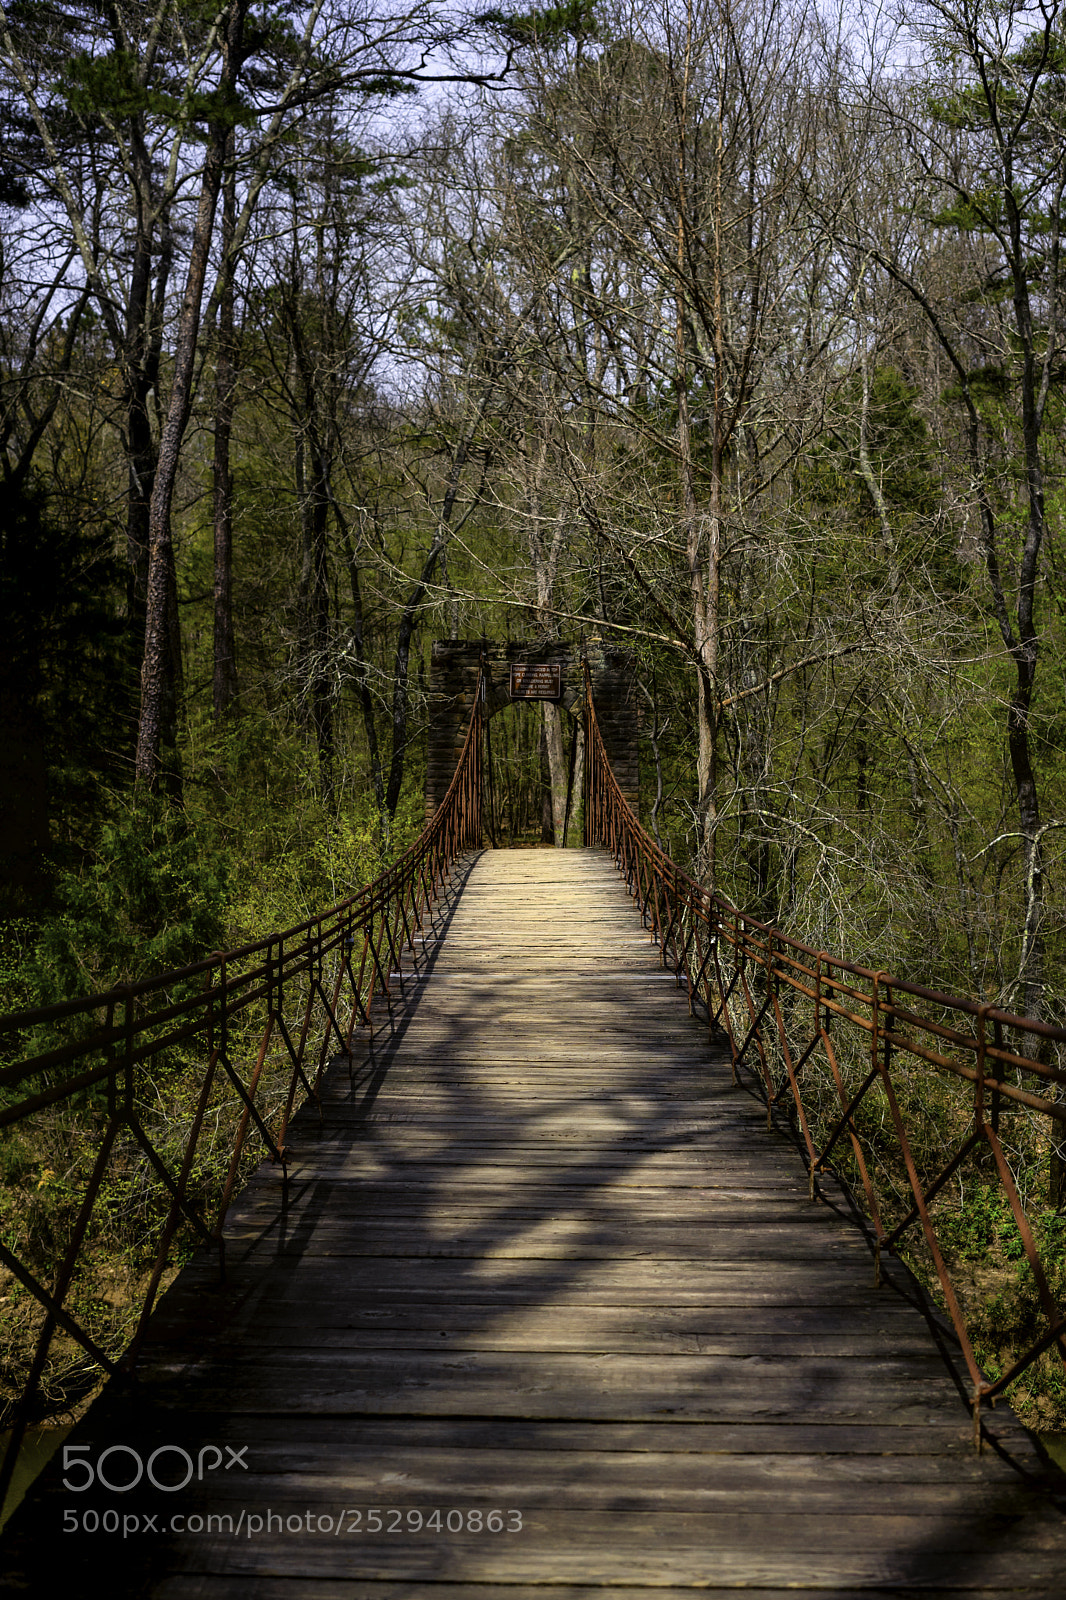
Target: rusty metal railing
[
  {"x": 211, "y": 1036},
  {"x": 860, "y": 1060}
]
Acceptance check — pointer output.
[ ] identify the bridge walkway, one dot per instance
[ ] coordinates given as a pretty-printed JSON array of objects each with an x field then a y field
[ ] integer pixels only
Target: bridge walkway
[{"x": 542, "y": 1259}]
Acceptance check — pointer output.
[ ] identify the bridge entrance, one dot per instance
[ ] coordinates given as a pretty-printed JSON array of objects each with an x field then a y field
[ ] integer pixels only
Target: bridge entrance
[{"x": 548, "y": 750}]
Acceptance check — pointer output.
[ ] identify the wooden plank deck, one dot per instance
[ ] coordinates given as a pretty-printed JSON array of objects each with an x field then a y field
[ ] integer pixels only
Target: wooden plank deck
[{"x": 542, "y": 1259}]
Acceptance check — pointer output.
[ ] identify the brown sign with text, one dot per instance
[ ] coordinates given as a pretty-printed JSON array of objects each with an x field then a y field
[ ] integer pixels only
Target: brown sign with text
[{"x": 539, "y": 680}]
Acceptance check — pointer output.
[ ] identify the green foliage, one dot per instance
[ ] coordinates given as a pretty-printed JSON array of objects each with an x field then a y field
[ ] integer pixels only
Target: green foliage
[
  {"x": 18, "y": 939},
  {"x": 107, "y": 87},
  {"x": 574, "y": 19},
  {"x": 900, "y": 452},
  {"x": 301, "y": 862},
  {"x": 153, "y": 898},
  {"x": 1004, "y": 1304},
  {"x": 984, "y": 1227}
]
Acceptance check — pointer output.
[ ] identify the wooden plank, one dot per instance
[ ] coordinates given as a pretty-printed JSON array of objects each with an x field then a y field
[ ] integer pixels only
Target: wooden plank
[
  {"x": 663, "y": 1549},
  {"x": 199, "y": 1586},
  {"x": 587, "y": 1459},
  {"x": 566, "y": 1330},
  {"x": 310, "y": 1383}
]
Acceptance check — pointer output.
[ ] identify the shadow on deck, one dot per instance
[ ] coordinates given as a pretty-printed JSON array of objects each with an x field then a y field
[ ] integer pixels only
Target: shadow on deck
[{"x": 545, "y": 1310}]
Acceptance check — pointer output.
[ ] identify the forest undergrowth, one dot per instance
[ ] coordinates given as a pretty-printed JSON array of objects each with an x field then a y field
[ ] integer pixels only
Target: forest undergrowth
[
  {"x": 252, "y": 851},
  {"x": 975, "y": 1229}
]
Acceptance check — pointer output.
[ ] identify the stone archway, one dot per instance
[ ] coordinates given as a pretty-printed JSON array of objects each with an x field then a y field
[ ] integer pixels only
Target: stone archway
[{"x": 453, "y": 676}]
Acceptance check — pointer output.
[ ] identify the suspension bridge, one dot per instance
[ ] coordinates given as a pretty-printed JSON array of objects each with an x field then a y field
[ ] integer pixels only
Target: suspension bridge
[{"x": 571, "y": 1265}]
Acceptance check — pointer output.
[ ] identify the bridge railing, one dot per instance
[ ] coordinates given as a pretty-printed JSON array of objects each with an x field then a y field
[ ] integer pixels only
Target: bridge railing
[
  {"x": 154, "y": 1100},
  {"x": 893, "y": 1086}
]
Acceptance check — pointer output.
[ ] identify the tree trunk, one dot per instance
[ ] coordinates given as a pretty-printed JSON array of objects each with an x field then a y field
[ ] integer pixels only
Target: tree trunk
[
  {"x": 401, "y": 672},
  {"x": 362, "y": 675},
  {"x": 1031, "y": 966},
  {"x": 547, "y": 820},
  {"x": 703, "y": 565},
  {"x": 321, "y": 685},
  {"x": 555, "y": 750},
  {"x": 409, "y": 617},
  {"x": 313, "y": 642},
  {"x": 224, "y": 677},
  {"x": 140, "y": 357},
  {"x": 161, "y": 667}
]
